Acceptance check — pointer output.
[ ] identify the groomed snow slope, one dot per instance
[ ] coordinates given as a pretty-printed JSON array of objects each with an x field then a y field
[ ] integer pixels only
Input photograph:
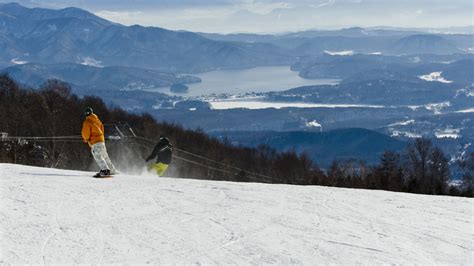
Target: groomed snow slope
[{"x": 57, "y": 216}]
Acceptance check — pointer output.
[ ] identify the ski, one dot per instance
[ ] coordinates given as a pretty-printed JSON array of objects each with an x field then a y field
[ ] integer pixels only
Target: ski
[{"x": 102, "y": 176}]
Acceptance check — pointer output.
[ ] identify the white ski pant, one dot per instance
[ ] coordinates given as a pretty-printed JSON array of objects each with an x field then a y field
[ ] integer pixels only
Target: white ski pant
[{"x": 102, "y": 158}]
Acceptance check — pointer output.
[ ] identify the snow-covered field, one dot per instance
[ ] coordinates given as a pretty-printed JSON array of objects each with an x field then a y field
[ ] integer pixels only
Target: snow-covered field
[
  {"x": 57, "y": 216},
  {"x": 346, "y": 52},
  {"x": 226, "y": 104},
  {"x": 452, "y": 133},
  {"x": 470, "y": 110}
]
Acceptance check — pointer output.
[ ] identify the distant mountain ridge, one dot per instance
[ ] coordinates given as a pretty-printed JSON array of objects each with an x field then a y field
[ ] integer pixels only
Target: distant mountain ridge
[
  {"x": 324, "y": 147},
  {"x": 71, "y": 34},
  {"x": 345, "y": 32},
  {"x": 17, "y": 10},
  {"x": 424, "y": 44},
  {"x": 390, "y": 41}
]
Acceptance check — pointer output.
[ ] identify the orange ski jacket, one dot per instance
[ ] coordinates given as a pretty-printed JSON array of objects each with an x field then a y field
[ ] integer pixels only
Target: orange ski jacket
[{"x": 92, "y": 130}]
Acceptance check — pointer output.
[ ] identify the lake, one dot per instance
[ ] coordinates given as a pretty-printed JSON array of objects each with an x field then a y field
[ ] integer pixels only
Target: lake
[{"x": 259, "y": 79}]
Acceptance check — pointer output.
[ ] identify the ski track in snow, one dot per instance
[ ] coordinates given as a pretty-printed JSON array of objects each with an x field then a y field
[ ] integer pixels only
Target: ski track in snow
[{"x": 59, "y": 216}]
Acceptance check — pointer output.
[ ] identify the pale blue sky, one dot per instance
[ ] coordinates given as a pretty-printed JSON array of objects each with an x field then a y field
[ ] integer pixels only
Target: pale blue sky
[{"x": 227, "y": 16}]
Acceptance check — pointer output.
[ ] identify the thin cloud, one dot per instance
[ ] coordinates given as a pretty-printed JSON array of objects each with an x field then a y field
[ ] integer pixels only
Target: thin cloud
[
  {"x": 329, "y": 3},
  {"x": 262, "y": 8},
  {"x": 119, "y": 15}
]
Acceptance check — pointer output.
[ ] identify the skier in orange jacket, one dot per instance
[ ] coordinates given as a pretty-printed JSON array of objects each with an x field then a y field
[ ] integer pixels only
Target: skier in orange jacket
[{"x": 93, "y": 134}]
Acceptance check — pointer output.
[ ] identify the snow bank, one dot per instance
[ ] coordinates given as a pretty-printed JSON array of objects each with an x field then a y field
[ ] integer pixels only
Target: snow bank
[
  {"x": 17, "y": 61},
  {"x": 313, "y": 123},
  {"x": 452, "y": 133},
  {"x": 403, "y": 123},
  {"x": 398, "y": 133},
  {"x": 57, "y": 216},
  {"x": 437, "y": 107},
  {"x": 470, "y": 110},
  {"x": 89, "y": 61},
  {"x": 345, "y": 52},
  {"x": 435, "y": 76}
]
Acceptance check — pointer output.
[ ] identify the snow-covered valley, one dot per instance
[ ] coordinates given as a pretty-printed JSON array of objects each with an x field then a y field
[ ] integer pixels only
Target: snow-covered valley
[{"x": 61, "y": 216}]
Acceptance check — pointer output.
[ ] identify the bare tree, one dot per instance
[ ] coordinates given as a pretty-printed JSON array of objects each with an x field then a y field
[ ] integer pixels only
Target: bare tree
[
  {"x": 467, "y": 166},
  {"x": 418, "y": 154},
  {"x": 390, "y": 172},
  {"x": 439, "y": 171}
]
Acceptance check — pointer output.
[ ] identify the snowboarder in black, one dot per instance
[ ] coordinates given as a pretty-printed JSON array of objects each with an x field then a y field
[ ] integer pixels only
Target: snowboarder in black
[{"x": 162, "y": 151}]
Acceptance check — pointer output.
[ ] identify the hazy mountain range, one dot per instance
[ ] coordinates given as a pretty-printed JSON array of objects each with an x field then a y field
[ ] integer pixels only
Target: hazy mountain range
[
  {"x": 359, "y": 40},
  {"x": 74, "y": 35}
]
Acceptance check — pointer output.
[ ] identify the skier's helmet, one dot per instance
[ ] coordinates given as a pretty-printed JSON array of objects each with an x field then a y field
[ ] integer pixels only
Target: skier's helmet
[{"x": 88, "y": 111}]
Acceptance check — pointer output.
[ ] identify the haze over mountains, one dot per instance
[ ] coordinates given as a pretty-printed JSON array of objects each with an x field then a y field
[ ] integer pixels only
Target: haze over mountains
[
  {"x": 73, "y": 35},
  {"x": 49, "y": 37},
  {"x": 392, "y": 42},
  {"x": 76, "y": 36}
]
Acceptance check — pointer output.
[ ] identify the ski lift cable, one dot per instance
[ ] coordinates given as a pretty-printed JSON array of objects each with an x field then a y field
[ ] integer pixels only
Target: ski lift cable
[
  {"x": 254, "y": 178},
  {"x": 206, "y": 166},
  {"x": 218, "y": 169},
  {"x": 262, "y": 177},
  {"x": 77, "y": 138},
  {"x": 198, "y": 164}
]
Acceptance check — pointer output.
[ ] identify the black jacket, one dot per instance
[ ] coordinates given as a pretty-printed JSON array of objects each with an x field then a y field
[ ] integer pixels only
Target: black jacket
[{"x": 162, "y": 151}]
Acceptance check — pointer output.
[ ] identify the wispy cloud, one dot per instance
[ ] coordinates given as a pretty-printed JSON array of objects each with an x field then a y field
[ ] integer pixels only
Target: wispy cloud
[
  {"x": 198, "y": 16},
  {"x": 123, "y": 16},
  {"x": 262, "y": 7},
  {"x": 329, "y": 3}
]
